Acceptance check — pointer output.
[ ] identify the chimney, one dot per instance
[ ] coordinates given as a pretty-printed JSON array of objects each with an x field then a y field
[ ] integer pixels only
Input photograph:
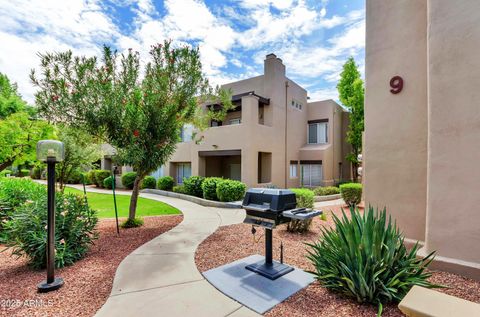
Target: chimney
[{"x": 273, "y": 66}]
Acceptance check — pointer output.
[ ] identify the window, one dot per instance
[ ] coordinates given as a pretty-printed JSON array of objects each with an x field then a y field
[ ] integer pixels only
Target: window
[
  {"x": 293, "y": 169},
  {"x": 312, "y": 174},
  {"x": 234, "y": 121},
  {"x": 216, "y": 123},
  {"x": 186, "y": 133},
  {"x": 183, "y": 170},
  {"x": 296, "y": 105},
  {"x": 317, "y": 132}
]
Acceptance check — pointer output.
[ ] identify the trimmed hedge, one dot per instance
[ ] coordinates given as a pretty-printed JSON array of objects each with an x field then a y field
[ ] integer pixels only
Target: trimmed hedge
[
  {"x": 149, "y": 182},
  {"x": 165, "y": 183},
  {"x": 85, "y": 179},
  {"x": 91, "y": 177},
  {"x": 305, "y": 199},
  {"x": 179, "y": 189},
  {"x": 36, "y": 172},
  {"x": 209, "y": 187},
  {"x": 23, "y": 172},
  {"x": 351, "y": 193},
  {"x": 100, "y": 176},
  {"x": 193, "y": 185},
  {"x": 5, "y": 173},
  {"x": 128, "y": 179},
  {"x": 230, "y": 190},
  {"x": 75, "y": 177},
  {"x": 326, "y": 191},
  {"x": 108, "y": 182}
]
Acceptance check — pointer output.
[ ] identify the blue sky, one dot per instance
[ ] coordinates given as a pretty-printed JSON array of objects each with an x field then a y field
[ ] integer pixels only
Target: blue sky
[{"x": 313, "y": 37}]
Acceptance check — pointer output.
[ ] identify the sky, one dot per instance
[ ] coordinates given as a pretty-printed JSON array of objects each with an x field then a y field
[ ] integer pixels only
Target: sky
[{"x": 313, "y": 37}]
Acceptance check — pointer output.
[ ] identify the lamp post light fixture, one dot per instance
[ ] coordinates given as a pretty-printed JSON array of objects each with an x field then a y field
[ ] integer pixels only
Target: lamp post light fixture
[{"x": 50, "y": 152}]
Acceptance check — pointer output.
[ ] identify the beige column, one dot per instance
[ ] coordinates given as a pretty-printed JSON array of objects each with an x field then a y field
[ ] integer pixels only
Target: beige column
[{"x": 453, "y": 216}]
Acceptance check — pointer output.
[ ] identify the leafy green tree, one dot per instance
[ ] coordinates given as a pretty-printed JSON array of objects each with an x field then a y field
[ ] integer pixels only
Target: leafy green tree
[
  {"x": 138, "y": 111},
  {"x": 81, "y": 150},
  {"x": 19, "y": 134},
  {"x": 10, "y": 101},
  {"x": 351, "y": 93}
]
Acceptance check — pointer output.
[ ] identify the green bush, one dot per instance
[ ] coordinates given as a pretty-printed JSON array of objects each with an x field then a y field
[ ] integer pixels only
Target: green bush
[
  {"x": 75, "y": 177},
  {"x": 364, "y": 257},
  {"x": 36, "y": 172},
  {"x": 305, "y": 199},
  {"x": 325, "y": 191},
  {"x": 128, "y": 179},
  {"x": 23, "y": 172},
  {"x": 165, "y": 183},
  {"x": 149, "y": 182},
  {"x": 351, "y": 193},
  {"x": 86, "y": 178},
  {"x": 108, "y": 182},
  {"x": 5, "y": 173},
  {"x": 209, "y": 187},
  {"x": 193, "y": 185},
  {"x": 179, "y": 189},
  {"x": 100, "y": 176},
  {"x": 91, "y": 177},
  {"x": 25, "y": 230},
  {"x": 230, "y": 190},
  {"x": 129, "y": 223}
]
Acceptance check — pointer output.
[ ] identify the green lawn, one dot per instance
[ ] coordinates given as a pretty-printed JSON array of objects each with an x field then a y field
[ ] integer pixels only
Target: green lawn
[{"x": 103, "y": 204}]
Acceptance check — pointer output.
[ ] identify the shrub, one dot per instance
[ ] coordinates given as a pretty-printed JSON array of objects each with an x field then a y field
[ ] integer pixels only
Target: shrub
[
  {"x": 23, "y": 172},
  {"x": 149, "y": 182},
  {"x": 209, "y": 187},
  {"x": 305, "y": 199},
  {"x": 75, "y": 177},
  {"x": 179, "y": 189},
  {"x": 128, "y": 179},
  {"x": 132, "y": 223},
  {"x": 193, "y": 185},
  {"x": 351, "y": 193},
  {"x": 36, "y": 172},
  {"x": 85, "y": 178},
  {"x": 325, "y": 191},
  {"x": 91, "y": 177},
  {"x": 230, "y": 190},
  {"x": 75, "y": 226},
  {"x": 100, "y": 176},
  {"x": 165, "y": 183},
  {"x": 5, "y": 173},
  {"x": 364, "y": 257},
  {"x": 108, "y": 182}
]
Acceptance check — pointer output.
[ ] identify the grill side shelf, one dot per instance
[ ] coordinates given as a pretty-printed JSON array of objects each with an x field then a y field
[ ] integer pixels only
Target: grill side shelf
[{"x": 303, "y": 215}]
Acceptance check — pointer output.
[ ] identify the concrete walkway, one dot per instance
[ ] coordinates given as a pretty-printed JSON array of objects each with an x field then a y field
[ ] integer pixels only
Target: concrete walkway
[{"x": 160, "y": 278}]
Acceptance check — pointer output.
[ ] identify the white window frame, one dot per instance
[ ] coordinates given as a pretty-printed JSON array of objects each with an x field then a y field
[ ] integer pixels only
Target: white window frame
[
  {"x": 310, "y": 183},
  {"x": 293, "y": 170},
  {"x": 318, "y": 132}
]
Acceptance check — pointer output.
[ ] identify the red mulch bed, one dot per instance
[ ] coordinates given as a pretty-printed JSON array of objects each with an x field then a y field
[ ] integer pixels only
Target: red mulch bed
[
  {"x": 87, "y": 283},
  {"x": 234, "y": 242}
]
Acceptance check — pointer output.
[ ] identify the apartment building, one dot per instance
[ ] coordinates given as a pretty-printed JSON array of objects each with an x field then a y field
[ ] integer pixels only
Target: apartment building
[
  {"x": 274, "y": 136},
  {"x": 422, "y": 124}
]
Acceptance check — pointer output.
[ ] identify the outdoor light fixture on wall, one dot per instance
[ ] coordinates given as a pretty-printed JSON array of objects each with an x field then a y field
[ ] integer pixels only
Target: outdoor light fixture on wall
[{"x": 50, "y": 152}]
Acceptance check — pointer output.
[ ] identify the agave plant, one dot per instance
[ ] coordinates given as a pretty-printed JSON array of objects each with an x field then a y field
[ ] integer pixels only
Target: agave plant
[{"x": 364, "y": 257}]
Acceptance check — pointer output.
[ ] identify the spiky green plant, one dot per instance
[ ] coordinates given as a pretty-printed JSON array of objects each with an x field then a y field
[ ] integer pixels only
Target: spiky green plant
[{"x": 364, "y": 257}]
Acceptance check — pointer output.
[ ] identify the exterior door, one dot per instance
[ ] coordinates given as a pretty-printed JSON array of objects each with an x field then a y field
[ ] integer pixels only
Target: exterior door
[{"x": 312, "y": 175}]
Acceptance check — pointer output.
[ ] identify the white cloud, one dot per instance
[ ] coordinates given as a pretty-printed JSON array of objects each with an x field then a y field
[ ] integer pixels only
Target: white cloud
[{"x": 323, "y": 94}]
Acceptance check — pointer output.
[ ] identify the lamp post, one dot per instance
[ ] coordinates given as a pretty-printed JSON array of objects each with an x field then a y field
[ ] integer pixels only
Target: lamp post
[{"x": 50, "y": 152}]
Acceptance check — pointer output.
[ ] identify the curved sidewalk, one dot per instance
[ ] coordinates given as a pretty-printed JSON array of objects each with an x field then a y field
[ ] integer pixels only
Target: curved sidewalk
[{"x": 160, "y": 278}]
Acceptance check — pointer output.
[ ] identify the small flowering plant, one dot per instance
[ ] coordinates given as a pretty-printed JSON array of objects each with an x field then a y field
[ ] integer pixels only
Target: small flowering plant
[{"x": 74, "y": 230}]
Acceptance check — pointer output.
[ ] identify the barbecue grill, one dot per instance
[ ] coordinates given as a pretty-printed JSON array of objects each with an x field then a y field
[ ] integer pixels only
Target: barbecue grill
[{"x": 268, "y": 208}]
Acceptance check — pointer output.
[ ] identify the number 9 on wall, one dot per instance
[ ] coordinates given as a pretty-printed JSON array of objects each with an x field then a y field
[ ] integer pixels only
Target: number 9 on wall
[{"x": 396, "y": 83}]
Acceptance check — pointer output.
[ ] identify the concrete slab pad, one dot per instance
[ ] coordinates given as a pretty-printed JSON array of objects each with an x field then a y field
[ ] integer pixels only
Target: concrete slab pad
[
  {"x": 252, "y": 290},
  {"x": 141, "y": 272},
  {"x": 191, "y": 299}
]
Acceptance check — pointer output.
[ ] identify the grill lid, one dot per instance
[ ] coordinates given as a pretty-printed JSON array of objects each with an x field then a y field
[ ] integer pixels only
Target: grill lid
[{"x": 269, "y": 199}]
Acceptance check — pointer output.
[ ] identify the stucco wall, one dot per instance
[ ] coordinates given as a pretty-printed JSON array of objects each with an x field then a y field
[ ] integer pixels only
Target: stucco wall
[
  {"x": 453, "y": 217},
  {"x": 396, "y": 125}
]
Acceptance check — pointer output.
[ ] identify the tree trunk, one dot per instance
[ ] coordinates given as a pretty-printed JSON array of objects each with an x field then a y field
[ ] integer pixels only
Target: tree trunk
[
  {"x": 5, "y": 164},
  {"x": 134, "y": 199}
]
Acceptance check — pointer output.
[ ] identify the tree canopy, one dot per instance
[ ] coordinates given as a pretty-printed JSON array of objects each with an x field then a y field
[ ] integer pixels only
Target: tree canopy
[
  {"x": 351, "y": 93},
  {"x": 138, "y": 110}
]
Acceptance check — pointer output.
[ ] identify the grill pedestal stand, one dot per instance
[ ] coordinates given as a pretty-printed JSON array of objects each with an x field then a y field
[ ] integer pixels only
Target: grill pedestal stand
[{"x": 269, "y": 268}]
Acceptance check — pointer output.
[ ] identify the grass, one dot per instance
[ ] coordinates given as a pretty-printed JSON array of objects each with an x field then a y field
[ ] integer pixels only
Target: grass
[{"x": 103, "y": 204}]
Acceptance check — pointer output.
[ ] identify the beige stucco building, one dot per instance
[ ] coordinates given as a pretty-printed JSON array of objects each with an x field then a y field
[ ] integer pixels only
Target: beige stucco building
[
  {"x": 273, "y": 137},
  {"x": 421, "y": 146}
]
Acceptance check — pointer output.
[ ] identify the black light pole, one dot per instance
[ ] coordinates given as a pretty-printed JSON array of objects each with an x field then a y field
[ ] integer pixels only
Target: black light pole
[{"x": 51, "y": 152}]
